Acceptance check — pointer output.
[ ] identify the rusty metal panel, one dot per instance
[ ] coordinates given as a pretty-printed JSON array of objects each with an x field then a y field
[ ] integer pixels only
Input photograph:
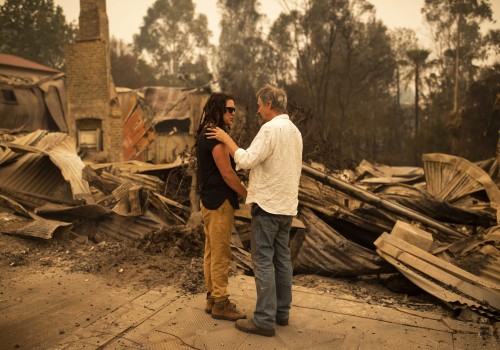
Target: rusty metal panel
[
  {"x": 145, "y": 109},
  {"x": 127, "y": 101},
  {"x": 136, "y": 127},
  {"x": 137, "y": 134}
]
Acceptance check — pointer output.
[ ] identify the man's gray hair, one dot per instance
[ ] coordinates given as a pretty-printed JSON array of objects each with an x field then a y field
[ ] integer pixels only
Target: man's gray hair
[{"x": 275, "y": 95}]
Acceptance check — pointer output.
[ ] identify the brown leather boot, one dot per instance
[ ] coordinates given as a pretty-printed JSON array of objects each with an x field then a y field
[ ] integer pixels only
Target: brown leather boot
[
  {"x": 210, "y": 304},
  {"x": 225, "y": 310},
  {"x": 249, "y": 327}
]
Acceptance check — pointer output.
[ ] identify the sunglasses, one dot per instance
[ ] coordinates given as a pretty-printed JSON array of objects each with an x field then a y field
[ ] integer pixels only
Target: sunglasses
[{"x": 230, "y": 109}]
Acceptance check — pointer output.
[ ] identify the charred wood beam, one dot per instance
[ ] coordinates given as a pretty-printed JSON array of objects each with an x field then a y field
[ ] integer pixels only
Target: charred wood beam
[
  {"x": 105, "y": 184},
  {"x": 173, "y": 203},
  {"x": 378, "y": 202}
]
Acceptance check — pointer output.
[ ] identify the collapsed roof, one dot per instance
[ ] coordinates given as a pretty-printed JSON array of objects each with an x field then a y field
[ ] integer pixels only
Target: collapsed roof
[{"x": 345, "y": 227}]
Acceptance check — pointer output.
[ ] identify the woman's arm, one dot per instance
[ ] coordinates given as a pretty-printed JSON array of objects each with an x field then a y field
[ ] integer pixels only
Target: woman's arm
[
  {"x": 221, "y": 158},
  {"x": 222, "y": 136}
]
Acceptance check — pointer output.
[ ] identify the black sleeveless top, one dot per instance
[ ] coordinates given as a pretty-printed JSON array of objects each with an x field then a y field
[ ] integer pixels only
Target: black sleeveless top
[{"x": 213, "y": 189}]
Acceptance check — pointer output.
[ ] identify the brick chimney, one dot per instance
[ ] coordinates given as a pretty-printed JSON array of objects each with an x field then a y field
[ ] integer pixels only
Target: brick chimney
[
  {"x": 94, "y": 117},
  {"x": 93, "y": 20}
]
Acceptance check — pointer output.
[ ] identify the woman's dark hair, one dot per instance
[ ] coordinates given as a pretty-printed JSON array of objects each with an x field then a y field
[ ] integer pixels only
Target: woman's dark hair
[{"x": 213, "y": 111}]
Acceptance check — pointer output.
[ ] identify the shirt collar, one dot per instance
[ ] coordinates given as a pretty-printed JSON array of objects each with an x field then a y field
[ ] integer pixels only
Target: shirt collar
[{"x": 281, "y": 116}]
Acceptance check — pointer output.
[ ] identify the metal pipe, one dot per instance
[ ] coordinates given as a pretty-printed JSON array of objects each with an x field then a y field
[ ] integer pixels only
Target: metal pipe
[{"x": 378, "y": 202}]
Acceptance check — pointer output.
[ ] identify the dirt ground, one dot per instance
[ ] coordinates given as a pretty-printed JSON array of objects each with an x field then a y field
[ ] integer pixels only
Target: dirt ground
[{"x": 67, "y": 277}]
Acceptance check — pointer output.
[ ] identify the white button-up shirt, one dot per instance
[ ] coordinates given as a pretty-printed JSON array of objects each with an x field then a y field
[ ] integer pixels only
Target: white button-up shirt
[{"x": 275, "y": 160}]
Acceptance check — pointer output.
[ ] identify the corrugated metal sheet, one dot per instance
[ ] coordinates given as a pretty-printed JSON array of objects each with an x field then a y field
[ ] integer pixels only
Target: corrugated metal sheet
[
  {"x": 48, "y": 172},
  {"x": 32, "y": 227},
  {"x": 479, "y": 255},
  {"x": 29, "y": 113},
  {"x": 149, "y": 182},
  {"x": 62, "y": 152},
  {"x": 450, "y": 178},
  {"x": 131, "y": 200},
  {"x": 39, "y": 92},
  {"x": 37, "y": 174},
  {"x": 167, "y": 103},
  {"x": 440, "y": 278},
  {"x": 6, "y": 154},
  {"x": 490, "y": 268},
  {"x": 324, "y": 196},
  {"x": 388, "y": 174},
  {"x": 87, "y": 211},
  {"x": 167, "y": 148},
  {"x": 325, "y": 251},
  {"x": 146, "y": 112},
  {"x": 56, "y": 102},
  {"x": 128, "y": 228},
  {"x": 138, "y": 131}
]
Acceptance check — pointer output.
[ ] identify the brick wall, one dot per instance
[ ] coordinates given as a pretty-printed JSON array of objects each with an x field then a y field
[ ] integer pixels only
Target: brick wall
[
  {"x": 93, "y": 20},
  {"x": 90, "y": 86}
]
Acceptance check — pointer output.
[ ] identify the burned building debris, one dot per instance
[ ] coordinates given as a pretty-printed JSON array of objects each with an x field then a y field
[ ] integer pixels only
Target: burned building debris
[
  {"x": 32, "y": 95},
  {"x": 159, "y": 123},
  {"x": 94, "y": 117},
  {"x": 438, "y": 228}
]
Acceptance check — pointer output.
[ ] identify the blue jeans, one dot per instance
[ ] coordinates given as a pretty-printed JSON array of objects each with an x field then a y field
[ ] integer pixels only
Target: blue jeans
[{"x": 272, "y": 266}]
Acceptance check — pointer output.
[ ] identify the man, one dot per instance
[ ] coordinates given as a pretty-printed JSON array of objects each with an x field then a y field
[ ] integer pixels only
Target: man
[
  {"x": 275, "y": 160},
  {"x": 219, "y": 190}
]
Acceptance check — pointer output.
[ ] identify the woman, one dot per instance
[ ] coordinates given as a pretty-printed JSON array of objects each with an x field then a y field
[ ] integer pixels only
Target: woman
[{"x": 219, "y": 189}]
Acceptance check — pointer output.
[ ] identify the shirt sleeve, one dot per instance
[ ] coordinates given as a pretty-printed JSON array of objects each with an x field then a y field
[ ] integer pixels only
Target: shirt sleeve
[
  {"x": 259, "y": 150},
  {"x": 211, "y": 143}
]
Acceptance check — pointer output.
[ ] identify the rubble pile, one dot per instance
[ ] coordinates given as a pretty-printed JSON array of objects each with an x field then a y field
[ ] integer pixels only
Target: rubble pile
[{"x": 438, "y": 225}]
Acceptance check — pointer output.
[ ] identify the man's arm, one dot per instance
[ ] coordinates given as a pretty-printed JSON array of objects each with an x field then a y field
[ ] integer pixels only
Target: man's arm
[
  {"x": 221, "y": 158},
  {"x": 261, "y": 147}
]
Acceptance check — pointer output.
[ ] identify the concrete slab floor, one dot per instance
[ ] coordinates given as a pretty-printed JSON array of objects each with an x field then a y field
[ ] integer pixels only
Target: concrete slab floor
[{"x": 170, "y": 320}]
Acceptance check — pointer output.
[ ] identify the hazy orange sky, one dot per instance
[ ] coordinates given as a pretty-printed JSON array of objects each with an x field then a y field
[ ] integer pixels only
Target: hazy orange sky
[{"x": 125, "y": 16}]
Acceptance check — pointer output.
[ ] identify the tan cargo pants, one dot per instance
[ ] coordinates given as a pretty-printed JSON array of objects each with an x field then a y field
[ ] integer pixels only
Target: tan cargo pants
[{"x": 217, "y": 225}]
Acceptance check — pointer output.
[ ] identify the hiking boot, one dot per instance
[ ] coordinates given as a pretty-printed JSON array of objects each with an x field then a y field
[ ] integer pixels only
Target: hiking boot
[
  {"x": 282, "y": 322},
  {"x": 210, "y": 305},
  {"x": 225, "y": 310},
  {"x": 248, "y": 326}
]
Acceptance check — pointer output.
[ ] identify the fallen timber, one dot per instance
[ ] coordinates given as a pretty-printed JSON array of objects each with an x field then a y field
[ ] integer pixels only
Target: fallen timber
[{"x": 378, "y": 202}]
